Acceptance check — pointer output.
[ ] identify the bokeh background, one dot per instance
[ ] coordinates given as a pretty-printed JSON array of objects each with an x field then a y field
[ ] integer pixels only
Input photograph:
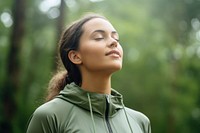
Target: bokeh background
[{"x": 161, "y": 68}]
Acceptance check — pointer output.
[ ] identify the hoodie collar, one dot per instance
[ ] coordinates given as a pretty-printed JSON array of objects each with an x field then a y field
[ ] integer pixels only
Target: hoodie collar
[{"x": 79, "y": 97}]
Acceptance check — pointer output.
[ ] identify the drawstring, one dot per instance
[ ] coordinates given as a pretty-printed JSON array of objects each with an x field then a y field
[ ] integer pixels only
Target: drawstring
[
  {"x": 91, "y": 113},
  {"x": 127, "y": 118}
]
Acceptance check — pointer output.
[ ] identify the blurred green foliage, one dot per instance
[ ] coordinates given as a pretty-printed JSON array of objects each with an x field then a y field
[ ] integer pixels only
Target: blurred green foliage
[{"x": 161, "y": 68}]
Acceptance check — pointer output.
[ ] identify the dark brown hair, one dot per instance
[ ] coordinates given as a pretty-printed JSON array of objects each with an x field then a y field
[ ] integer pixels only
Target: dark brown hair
[{"x": 68, "y": 41}]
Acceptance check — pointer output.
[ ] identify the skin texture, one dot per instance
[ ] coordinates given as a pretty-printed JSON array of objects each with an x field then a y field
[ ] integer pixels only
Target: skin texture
[{"x": 99, "y": 55}]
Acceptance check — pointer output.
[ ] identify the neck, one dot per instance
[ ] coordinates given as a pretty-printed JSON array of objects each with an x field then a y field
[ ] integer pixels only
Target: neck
[{"x": 96, "y": 83}]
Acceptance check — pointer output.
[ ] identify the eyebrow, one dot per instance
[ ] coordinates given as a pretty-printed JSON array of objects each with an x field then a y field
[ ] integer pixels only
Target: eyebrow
[{"x": 102, "y": 31}]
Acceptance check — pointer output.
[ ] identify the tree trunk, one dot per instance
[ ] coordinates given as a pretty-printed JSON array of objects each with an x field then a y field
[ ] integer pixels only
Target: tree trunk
[
  {"x": 59, "y": 28},
  {"x": 11, "y": 85}
]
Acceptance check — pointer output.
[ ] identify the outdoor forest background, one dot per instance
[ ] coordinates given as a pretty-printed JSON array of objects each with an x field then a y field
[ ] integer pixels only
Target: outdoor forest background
[{"x": 161, "y": 67}]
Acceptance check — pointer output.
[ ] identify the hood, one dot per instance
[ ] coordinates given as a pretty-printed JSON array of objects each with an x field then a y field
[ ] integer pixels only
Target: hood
[{"x": 79, "y": 97}]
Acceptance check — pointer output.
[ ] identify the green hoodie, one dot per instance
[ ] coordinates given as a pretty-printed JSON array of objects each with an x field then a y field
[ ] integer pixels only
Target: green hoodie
[{"x": 77, "y": 111}]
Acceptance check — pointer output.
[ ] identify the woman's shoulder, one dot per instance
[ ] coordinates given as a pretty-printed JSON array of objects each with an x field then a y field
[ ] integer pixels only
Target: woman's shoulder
[
  {"x": 141, "y": 119},
  {"x": 54, "y": 107},
  {"x": 137, "y": 116},
  {"x": 49, "y": 115}
]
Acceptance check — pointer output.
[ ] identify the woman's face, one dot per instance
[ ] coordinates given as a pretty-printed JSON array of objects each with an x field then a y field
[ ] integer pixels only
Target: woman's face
[{"x": 99, "y": 47}]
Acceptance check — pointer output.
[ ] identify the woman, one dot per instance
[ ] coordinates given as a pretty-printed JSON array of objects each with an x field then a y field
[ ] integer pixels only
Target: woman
[{"x": 81, "y": 100}]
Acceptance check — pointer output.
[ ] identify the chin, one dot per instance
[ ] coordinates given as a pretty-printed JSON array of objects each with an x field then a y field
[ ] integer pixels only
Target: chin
[{"x": 116, "y": 67}]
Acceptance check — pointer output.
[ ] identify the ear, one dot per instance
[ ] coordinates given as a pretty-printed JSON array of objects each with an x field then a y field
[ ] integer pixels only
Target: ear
[{"x": 74, "y": 57}]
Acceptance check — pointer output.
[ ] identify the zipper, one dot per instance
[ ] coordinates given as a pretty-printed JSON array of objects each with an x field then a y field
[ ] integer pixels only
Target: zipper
[{"x": 106, "y": 116}]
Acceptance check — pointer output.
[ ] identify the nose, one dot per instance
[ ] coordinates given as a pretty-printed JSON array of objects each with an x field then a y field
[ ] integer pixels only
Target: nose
[{"x": 113, "y": 43}]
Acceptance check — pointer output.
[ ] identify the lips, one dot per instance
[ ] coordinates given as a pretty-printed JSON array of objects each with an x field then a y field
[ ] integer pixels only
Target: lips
[{"x": 114, "y": 52}]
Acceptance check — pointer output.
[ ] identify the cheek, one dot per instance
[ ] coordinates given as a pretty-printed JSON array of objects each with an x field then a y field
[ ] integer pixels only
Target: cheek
[
  {"x": 121, "y": 50},
  {"x": 91, "y": 52}
]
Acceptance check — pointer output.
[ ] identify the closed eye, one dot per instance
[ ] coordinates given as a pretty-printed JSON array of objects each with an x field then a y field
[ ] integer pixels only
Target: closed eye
[
  {"x": 117, "y": 40},
  {"x": 99, "y": 38}
]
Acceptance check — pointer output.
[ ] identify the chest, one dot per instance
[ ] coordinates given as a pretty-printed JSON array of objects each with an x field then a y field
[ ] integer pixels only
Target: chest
[{"x": 80, "y": 121}]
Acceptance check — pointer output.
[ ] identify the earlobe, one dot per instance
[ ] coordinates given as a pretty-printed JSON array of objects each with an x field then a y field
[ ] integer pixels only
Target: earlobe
[{"x": 74, "y": 57}]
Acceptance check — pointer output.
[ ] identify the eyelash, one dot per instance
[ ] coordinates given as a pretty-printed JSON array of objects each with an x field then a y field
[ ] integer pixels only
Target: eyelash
[
  {"x": 117, "y": 40},
  {"x": 98, "y": 39}
]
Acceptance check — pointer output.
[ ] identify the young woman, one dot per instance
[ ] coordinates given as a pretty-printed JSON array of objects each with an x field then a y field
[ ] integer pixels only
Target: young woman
[{"x": 81, "y": 99}]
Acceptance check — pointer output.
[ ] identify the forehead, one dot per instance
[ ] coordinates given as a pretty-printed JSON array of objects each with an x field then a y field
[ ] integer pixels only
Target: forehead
[{"x": 98, "y": 24}]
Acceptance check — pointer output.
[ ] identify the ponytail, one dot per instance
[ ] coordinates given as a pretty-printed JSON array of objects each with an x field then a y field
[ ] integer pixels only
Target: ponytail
[{"x": 56, "y": 84}]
